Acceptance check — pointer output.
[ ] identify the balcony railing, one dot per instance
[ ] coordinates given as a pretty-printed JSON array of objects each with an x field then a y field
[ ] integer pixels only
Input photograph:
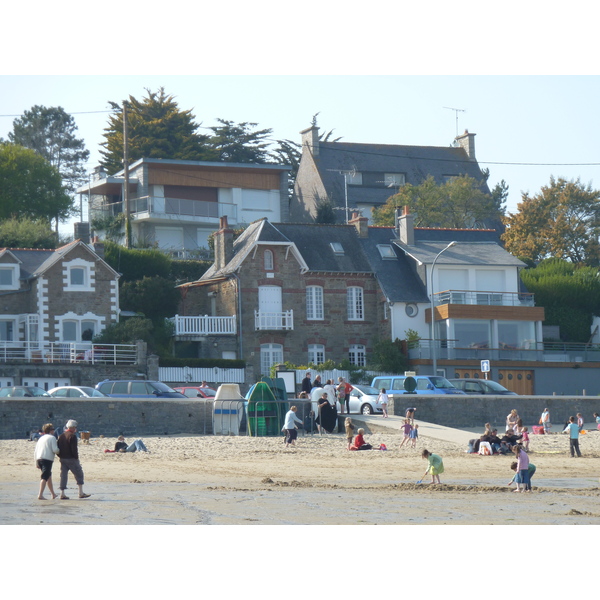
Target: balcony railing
[
  {"x": 274, "y": 320},
  {"x": 154, "y": 205},
  {"x": 205, "y": 325},
  {"x": 68, "y": 352},
  {"x": 538, "y": 352},
  {"x": 483, "y": 298}
]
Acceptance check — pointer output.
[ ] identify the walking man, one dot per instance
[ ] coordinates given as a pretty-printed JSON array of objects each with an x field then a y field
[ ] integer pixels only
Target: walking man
[{"x": 69, "y": 460}]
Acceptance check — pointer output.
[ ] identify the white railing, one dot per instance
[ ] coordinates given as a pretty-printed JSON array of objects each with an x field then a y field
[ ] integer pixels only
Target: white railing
[
  {"x": 177, "y": 376},
  {"x": 205, "y": 325},
  {"x": 68, "y": 352},
  {"x": 483, "y": 298},
  {"x": 273, "y": 320}
]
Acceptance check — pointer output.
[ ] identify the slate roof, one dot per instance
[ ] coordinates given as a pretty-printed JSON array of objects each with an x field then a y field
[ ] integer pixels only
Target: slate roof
[{"x": 416, "y": 162}]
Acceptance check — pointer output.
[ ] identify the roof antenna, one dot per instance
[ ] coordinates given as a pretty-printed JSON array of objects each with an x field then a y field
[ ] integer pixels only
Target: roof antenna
[{"x": 456, "y": 110}]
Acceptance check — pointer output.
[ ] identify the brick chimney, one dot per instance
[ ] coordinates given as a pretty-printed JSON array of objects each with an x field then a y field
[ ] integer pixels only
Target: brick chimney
[
  {"x": 467, "y": 141},
  {"x": 310, "y": 140},
  {"x": 223, "y": 243},
  {"x": 361, "y": 224},
  {"x": 406, "y": 227}
]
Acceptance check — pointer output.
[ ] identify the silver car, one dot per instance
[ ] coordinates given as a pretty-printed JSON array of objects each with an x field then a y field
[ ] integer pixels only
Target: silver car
[
  {"x": 75, "y": 391},
  {"x": 363, "y": 399}
]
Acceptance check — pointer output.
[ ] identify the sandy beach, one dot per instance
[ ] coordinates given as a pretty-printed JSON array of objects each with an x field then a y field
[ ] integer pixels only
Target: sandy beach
[{"x": 215, "y": 480}]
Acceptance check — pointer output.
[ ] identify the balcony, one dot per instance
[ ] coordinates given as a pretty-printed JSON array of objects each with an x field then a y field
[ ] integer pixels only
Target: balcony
[
  {"x": 68, "y": 352},
  {"x": 153, "y": 207},
  {"x": 483, "y": 298},
  {"x": 199, "y": 326},
  {"x": 273, "y": 320}
]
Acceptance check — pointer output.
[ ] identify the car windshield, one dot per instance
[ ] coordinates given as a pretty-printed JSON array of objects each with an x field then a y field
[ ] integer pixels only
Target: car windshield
[
  {"x": 161, "y": 387},
  {"x": 367, "y": 389},
  {"x": 208, "y": 392},
  {"x": 441, "y": 383},
  {"x": 492, "y": 385},
  {"x": 92, "y": 392}
]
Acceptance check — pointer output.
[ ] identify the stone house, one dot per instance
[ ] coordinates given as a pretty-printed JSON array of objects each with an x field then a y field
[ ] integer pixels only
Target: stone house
[
  {"x": 284, "y": 292},
  {"x": 54, "y": 297},
  {"x": 359, "y": 177}
]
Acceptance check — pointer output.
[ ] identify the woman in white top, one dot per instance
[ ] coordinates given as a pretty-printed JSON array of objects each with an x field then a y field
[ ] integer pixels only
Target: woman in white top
[
  {"x": 289, "y": 426},
  {"x": 383, "y": 400},
  {"x": 46, "y": 449}
]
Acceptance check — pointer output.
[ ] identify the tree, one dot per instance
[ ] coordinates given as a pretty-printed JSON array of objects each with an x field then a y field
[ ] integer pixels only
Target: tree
[
  {"x": 156, "y": 128},
  {"x": 51, "y": 132},
  {"x": 325, "y": 212},
  {"x": 562, "y": 220},
  {"x": 458, "y": 203},
  {"x": 26, "y": 233},
  {"x": 238, "y": 143},
  {"x": 154, "y": 297},
  {"x": 30, "y": 186}
]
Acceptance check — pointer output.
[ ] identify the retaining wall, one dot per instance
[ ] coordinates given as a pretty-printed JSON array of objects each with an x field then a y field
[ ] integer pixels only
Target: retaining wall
[{"x": 130, "y": 416}]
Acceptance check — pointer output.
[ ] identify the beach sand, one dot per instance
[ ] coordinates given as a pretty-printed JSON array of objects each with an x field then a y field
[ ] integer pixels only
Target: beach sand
[{"x": 241, "y": 480}]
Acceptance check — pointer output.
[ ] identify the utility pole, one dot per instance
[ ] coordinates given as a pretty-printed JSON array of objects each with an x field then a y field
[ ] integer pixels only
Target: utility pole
[{"x": 126, "y": 180}]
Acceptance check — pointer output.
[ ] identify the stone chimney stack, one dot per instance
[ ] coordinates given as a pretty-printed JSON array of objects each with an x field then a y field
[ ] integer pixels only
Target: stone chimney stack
[
  {"x": 98, "y": 247},
  {"x": 467, "y": 141},
  {"x": 406, "y": 227},
  {"x": 223, "y": 243},
  {"x": 361, "y": 224},
  {"x": 310, "y": 140}
]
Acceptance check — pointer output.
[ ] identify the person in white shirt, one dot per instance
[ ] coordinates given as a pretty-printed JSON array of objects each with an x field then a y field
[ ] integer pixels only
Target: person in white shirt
[
  {"x": 290, "y": 428},
  {"x": 46, "y": 449}
]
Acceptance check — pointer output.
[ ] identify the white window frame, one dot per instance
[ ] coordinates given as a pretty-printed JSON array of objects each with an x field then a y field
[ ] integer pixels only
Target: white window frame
[
  {"x": 79, "y": 320},
  {"x": 14, "y": 282},
  {"x": 314, "y": 303},
  {"x": 316, "y": 354},
  {"x": 357, "y": 355},
  {"x": 394, "y": 179},
  {"x": 268, "y": 260},
  {"x": 88, "y": 276},
  {"x": 270, "y": 354},
  {"x": 355, "y": 303}
]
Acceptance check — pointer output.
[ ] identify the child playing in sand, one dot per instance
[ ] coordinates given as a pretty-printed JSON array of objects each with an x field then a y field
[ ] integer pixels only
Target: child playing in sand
[
  {"x": 525, "y": 438},
  {"x": 522, "y": 468},
  {"x": 359, "y": 441},
  {"x": 597, "y": 417},
  {"x": 531, "y": 470},
  {"x": 414, "y": 435},
  {"x": 580, "y": 421},
  {"x": 407, "y": 428},
  {"x": 349, "y": 431},
  {"x": 435, "y": 468}
]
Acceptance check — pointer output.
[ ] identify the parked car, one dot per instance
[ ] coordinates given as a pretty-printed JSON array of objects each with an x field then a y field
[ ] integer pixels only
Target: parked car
[
  {"x": 426, "y": 384},
  {"x": 363, "y": 399},
  {"x": 481, "y": 386},
  {"x": 74, "y": 391},
  {"x": 137, "y": 388},
  {"x": 196, "y": 392},
  {"x": 23, "y": 391}
]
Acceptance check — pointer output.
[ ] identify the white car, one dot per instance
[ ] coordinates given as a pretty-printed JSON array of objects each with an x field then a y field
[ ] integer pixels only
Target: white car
[
  {"x": 363, "y": 399},
  {"x": 74, "y": 391}
]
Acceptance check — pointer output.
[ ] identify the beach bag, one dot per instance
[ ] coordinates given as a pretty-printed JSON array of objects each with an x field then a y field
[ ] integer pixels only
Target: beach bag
[
  {"x": 485, "y": 449},
  {"x": 383, "y": 447}
]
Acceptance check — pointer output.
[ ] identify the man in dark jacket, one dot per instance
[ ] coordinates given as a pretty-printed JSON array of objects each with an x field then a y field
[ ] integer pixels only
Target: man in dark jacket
[
  {"x": 69, "y": 460},
  {"x": 307, "y": 384}
]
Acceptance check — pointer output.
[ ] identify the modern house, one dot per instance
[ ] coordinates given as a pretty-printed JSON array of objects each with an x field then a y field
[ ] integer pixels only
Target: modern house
[
  {"x": 52, "y": 300},
  {"x": 176, "y": 204},
  {"x": 360, "y": 177}
]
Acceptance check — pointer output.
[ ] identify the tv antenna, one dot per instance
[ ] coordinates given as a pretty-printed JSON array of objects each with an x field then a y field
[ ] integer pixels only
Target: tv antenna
[{"x": 456, "y": 110}]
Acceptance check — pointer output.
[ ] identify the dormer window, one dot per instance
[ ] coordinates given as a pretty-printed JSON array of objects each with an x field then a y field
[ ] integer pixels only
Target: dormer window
[
  {"x": 268, "y": 260},
  {"x": 78, "y": 276},
  {"x": 337, "y": 247},
  {"x": 386, "y": 251},
  {"x": 394, "y": 180},
  {"x": 353, "y": 178}
]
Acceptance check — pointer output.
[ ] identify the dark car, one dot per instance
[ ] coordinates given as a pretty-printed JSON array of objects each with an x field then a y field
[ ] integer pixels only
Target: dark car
[
  {"x": 23, "y": 391},
  {"x": 137, "y": 389},
  {"x": 481, "y": 386}
]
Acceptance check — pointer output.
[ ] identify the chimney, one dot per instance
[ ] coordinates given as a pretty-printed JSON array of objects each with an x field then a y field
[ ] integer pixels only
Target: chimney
[
  {"x": 310, "y": 140},
  {"x": 467, "y": 142},
  {"x": 361, "y": 224},
  {"x": 223, "y": 243},
  {"x": 406, "y": 227},
  {"x": 98, "y": 247}
]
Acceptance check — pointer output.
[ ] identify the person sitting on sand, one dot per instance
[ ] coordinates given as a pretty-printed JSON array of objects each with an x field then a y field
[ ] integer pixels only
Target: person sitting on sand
[
  {"x": 123, "y": 446},
  {"x": 359, "y": 441},
  {"x": 509, "y": 440}
]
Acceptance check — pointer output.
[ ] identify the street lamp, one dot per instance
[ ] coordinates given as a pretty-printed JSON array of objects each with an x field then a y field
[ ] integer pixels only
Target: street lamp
[{"x": 433, "y": 356}]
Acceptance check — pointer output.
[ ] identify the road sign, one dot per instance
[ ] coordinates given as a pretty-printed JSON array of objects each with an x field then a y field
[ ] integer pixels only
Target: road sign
[{"x": 485, "y": 366}]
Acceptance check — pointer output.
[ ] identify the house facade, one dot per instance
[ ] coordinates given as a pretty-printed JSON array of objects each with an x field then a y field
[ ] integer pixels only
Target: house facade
[
  {"x": 360, "y": 177},
  {"x": 289, "y": 292},
  {"x": 176, "y": 204},
  {"x": 53, "y": 297}
]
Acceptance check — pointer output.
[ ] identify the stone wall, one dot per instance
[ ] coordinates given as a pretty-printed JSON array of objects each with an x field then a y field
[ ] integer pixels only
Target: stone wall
[
  {"x": 475, "y": 411},
  {"x": 110, "y": 417}
]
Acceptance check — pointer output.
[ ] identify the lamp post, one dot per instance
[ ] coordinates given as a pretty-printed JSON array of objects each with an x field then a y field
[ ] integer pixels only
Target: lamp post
[{"x": 433, "y": 352}]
